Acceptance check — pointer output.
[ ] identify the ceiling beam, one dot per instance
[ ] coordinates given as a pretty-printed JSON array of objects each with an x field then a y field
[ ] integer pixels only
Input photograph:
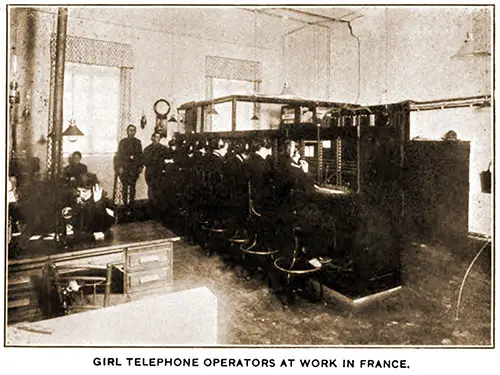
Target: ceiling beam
[
  {"x": 267, "y": 13},
  {"x": 312, "y": 14}
]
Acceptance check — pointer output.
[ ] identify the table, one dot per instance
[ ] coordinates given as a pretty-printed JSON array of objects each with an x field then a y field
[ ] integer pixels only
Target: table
[{"x": 182, "y": 318}]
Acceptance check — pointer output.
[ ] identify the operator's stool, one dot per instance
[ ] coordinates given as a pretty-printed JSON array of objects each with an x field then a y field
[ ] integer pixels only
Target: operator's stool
[
  {"x": 294, "y": 280},
  {"x": 258, "y": 258},
  {"x": 216, "y": 238}
]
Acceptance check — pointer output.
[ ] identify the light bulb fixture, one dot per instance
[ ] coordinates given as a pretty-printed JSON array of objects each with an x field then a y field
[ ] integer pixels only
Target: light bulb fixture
[
  {"x": 172, "y": 120},
  {"x": 255, "y": 118},
  {"x": 144, "y": 121},
  {"x": 13, "y": 73},
  {"x": 14, "y": 96},
  {"x": 286, "y": 90},
  {"x": 212, "y": 111},
  {"x": 255, "y": 122},
  {"x": 26, "y": 112},
  {"x": 72, "y": 131},
  {"x": 471, "y": 47}
]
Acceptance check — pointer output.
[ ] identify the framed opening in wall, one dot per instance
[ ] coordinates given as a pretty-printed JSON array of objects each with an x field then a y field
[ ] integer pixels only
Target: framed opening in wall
[{"x": 92, "y": 100}]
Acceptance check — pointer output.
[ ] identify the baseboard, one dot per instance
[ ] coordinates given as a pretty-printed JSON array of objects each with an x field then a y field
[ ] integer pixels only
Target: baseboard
[{"x": 333, "y": 296}]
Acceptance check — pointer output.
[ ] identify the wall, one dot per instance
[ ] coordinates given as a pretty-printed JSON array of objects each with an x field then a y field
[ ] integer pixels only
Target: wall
[
  {"x": 404, "y": 53},
  {"x": 169, "y": 47},
  {"x": 430, "y": 39},
  {"x": 407, "y": 53}
]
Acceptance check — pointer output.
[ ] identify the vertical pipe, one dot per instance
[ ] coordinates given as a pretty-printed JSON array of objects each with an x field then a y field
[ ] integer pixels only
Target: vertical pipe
[
  {"x": 13, "y": 115},
  {"x": 328, "y": 63},
  {"x": 319, "y": 168},
  {"x": 360, "y": 157},
  {"x": 202, "y": 118},
  {"x": 14, "y": 88},
  {"x": 62, "y": 23}
]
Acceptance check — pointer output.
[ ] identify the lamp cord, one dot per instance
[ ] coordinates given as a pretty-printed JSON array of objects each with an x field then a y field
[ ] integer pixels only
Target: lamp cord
[
  {"x": 285, "y": 74},
  {"x": 72, "y": 94},
  {"x": 466, "y": 274}
]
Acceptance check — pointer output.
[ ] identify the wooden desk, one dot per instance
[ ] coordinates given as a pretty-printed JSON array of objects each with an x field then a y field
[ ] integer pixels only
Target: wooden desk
[
  {"x": 145, "y": 250},
  {"x": 182, "y": 318}
]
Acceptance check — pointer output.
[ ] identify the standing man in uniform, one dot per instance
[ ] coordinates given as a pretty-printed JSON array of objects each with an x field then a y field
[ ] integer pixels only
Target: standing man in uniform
[
  {"x": 129, "y": 165},
  {"x": 154, "y": 158}
]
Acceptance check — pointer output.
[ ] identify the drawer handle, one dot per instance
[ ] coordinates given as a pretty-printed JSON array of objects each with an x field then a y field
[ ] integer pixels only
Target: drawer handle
[
  {"x": 149, "y": 278},
  {"x": 149, "y": 259}
]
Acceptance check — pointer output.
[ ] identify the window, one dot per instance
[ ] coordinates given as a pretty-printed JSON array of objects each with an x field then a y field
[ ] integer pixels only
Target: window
[
  {"x": 92, "y": 99},
  {"x": 244, "y": 113}
]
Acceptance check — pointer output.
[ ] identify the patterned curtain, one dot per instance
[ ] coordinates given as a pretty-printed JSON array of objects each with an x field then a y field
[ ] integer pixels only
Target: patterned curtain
[
  {"x": 241, "y": 70},
  {"x": 231, "y": 69},
  {"x": 125, "y": 104},
  {"x": 93, "y": 52}
]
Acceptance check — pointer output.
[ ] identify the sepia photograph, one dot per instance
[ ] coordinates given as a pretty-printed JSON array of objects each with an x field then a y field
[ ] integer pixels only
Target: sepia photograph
[{"x": 251, "y": 176}]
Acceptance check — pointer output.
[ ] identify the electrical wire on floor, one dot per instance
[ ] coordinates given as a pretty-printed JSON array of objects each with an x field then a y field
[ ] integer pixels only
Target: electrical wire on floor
[{"x": 466, "y": 274}]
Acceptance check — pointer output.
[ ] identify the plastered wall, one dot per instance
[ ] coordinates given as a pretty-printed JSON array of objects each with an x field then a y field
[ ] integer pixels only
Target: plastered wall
[
  {"x": 390, "y": 54},
  {"x": 408, "y": 53}
]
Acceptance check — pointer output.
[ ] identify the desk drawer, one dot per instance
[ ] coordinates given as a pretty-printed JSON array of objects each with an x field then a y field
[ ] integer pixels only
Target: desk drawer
[
  {"x": 149, "y": 257},
  {"x": 149, "y": 278}
]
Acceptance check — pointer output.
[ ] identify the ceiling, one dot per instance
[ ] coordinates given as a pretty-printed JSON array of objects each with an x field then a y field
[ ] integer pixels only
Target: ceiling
[{"x": 311, "y": 15}]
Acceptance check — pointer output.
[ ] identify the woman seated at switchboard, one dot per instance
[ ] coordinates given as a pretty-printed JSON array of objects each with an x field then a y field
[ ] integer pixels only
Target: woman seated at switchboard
[
  {"x": 217, "y": 185},
  {"x": 236, "y": 178},
  {"x": 264, "y": 221},
  {"x": 304, "y": 216},
  {"x": 259, "y": 173},
  {"x": 292, "y": 177}
]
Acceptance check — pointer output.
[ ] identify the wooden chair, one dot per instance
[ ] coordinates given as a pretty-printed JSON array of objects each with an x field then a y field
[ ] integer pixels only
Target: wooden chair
[{"x": 69, "y": 286}]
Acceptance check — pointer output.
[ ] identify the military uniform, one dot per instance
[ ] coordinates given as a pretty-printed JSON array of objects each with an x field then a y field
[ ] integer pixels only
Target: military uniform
[
  {"x": 129, "y": 157},
  {"x": 154, "y": 160}
]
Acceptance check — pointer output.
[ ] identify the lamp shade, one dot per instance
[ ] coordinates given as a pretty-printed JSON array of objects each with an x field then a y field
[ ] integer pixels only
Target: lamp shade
[
  {"x": 471, "y": 47},
  {"x": 72, "y": 130},
  {"x": 286, "y": 91},
  {"x": 212, "y": 111},
  {"x": 172, "y": 119}
]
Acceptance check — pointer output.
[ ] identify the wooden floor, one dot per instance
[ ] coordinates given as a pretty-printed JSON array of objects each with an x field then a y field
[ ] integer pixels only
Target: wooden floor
[
  {"x": 26, "y": 265},
  {"x": 422, "y": 313}
]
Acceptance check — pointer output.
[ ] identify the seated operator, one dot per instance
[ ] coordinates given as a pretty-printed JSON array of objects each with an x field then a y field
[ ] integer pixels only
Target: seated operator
[
  {"x": 296, "y": 185},
  {"x": 90, "y": 213},
  {"x": 75, "y": 169}
]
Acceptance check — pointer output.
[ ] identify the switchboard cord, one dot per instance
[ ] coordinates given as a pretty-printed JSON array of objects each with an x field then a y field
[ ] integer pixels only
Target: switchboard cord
[{"x": 466, "y": 274}]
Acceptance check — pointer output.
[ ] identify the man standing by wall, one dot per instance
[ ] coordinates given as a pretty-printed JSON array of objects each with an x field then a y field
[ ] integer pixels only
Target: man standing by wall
[
  {"x": 155, "y": 158},
  {"x": 129, "y": 165}
]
